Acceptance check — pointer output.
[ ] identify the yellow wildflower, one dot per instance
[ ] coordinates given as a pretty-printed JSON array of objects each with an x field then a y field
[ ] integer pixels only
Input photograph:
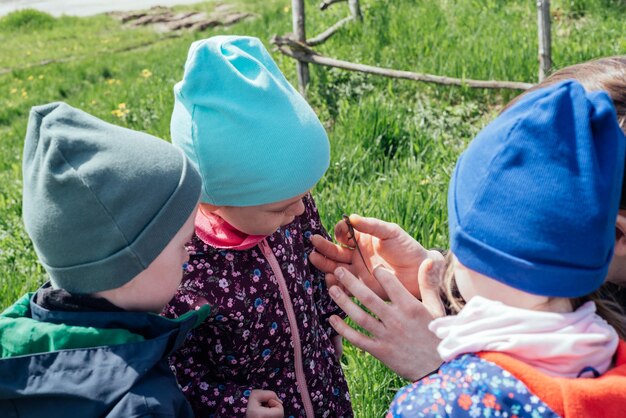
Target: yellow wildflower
[
  {"x": 28, "y": 52},
  {"x": 113, "y": 81},
  {"x": 286, "y": 9},
  {"x": 424, "y": 182},
  {"x": 41, "y": 76},
  {"x": 93, "y": 102},
  {"x": 24, "y": 93},
  {"x": 121, "y": 111},
  {"x": 13, "y": 91},
  {"x": 145, "y": 73}
]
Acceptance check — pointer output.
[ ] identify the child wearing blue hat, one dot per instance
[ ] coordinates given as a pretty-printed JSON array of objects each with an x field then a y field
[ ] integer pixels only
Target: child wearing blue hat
[
  {"x": 267, "y": 347},
  {"x": 532, "y": 206},
  {"x": 91, "y": 342}
]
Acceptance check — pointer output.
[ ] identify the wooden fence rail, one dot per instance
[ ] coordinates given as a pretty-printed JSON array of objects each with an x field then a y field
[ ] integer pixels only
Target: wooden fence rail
[
  {"x": 303, "y": 53},
  {"x": 298, "y": 47}
]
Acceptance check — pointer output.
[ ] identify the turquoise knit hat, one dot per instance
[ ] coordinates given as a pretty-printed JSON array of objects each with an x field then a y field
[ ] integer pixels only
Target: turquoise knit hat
[
  {"x": 100, "y": 202},
  {"x": 253, "y": 138}
]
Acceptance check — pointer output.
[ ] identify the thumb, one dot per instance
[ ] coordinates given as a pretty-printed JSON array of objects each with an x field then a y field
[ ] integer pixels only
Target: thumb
[
  {"x": 265, "y": 395},
  {"x": 375, "y": 227},
  {"x": 274, "y": 403},
  {"x": 430, "y": 278}
]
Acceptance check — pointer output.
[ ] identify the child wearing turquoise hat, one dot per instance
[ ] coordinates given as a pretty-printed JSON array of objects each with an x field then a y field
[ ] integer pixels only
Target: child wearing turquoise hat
[
  {"x": 532, "y": 206},
  {"x": 267, "y": 347}
]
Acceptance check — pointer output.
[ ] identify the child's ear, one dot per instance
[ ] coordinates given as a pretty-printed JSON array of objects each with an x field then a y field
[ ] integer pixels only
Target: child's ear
[
  {"x": 620, "y": 235},
  {"x": 207, "y": 207}
]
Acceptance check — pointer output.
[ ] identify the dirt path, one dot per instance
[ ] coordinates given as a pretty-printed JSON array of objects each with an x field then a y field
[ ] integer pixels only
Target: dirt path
[{"x": 85, "y": 7}]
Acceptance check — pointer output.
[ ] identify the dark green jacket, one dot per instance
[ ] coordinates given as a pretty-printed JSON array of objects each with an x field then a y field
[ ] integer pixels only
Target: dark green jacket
[{"x": 89, "y": 364}]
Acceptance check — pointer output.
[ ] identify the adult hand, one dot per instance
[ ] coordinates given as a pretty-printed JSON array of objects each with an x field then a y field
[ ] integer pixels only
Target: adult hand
[
  {"x": 381, "y": 243},
  {"x": 399, "y": 334},
  {"x": 264, "y": 404}
]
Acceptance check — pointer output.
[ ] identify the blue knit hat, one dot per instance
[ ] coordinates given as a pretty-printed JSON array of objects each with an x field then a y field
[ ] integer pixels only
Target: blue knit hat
[
  {"x": 253, "y": 138},
  {"x": 533, "y": 200}
]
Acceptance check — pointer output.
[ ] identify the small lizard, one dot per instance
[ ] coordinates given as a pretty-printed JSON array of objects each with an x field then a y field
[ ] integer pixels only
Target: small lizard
[{"x": 352, "y": 236}]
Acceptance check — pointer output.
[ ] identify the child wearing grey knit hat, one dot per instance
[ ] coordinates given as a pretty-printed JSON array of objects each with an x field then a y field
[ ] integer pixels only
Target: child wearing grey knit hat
[{"x": 108, "y": 210}]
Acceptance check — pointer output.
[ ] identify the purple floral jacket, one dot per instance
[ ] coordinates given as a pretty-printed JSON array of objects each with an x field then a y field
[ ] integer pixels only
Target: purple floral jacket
[{"x": 268, "y": 327}]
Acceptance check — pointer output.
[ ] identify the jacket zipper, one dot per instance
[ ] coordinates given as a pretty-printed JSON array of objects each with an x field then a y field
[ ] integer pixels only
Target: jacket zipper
[{"x": 295, "y": 334}]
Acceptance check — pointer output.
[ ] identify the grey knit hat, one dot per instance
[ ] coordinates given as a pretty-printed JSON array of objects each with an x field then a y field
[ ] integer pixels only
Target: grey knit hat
[{"x": 100, "y": 202}]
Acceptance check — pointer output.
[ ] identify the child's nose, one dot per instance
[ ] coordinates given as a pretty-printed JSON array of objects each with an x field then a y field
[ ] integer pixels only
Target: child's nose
[{"x": 296, "y": 209}]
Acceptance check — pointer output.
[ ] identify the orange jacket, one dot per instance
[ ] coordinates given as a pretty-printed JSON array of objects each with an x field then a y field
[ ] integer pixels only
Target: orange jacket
[{"x": 604, "y": 396}]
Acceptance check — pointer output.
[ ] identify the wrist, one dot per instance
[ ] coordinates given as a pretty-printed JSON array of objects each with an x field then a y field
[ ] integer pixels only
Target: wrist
[{"x": 420, "y": 374}]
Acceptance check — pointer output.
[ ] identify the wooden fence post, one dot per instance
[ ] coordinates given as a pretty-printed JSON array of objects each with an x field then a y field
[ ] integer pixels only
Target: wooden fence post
[
  {"x": 545, "y": 38},
  {"x": 355, "y": 9},
  {"x": 299, "y": 30}
]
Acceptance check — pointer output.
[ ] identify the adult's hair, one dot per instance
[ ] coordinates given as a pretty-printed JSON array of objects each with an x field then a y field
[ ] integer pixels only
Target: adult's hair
[{"x": 608, "y": 74}]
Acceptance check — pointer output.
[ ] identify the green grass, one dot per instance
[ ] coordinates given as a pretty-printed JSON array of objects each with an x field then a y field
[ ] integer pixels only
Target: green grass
[{"x": 394, "y": 143}]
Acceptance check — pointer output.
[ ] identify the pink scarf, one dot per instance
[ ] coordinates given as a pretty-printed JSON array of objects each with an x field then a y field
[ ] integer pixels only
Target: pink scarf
[
  {"x": 559, "y": 344},
  {"x": 218, "y": 233}
]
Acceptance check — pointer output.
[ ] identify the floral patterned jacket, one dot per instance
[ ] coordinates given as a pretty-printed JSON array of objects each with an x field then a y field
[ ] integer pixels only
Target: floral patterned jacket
[
  {"x": 268, "y": 328},
  {"x": 493, "y": 384}
]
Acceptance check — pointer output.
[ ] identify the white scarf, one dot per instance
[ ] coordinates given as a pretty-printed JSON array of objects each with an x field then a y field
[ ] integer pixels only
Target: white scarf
[{"x": 559, "y": 344}]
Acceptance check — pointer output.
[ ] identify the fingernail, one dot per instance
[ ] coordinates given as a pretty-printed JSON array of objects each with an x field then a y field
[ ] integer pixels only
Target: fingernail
[
  {"x": 333, "y": 320},
  {"x": 334, "y": 291},
  {"x": 339, "y": 273},
  {"x": 379, "y": 268}
]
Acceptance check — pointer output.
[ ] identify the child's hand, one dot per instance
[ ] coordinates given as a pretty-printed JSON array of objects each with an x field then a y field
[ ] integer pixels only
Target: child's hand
[
  {"x": 382, "y": 243},
  {"x": 338, "y": 344},
  {"x": 264, "y": 404}
]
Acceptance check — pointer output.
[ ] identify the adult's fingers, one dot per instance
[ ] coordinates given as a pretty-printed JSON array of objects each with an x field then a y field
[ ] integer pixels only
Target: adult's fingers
[
  {"x": 395, "y": 290},
  {"x": 430, "y": 277},
  {"x": 356, "y": 338},
  {"x": 362, "y": 292},
  {"x": 341, "y": 233},
  {"x": 375, "y": 227},
  {"x": 330, "y": 250},
  {"x": 331, "y": 281},
  {"x": 354, "y": 311},
  {"x": 323, "y": 264}
]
